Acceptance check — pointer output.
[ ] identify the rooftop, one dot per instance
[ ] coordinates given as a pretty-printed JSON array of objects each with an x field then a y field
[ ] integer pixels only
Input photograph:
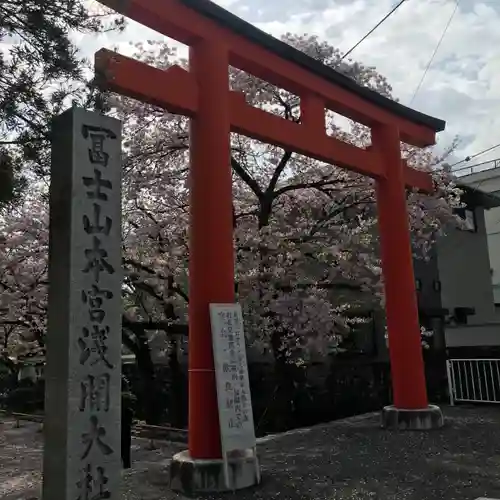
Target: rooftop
[{"x": 479, "y": 197}]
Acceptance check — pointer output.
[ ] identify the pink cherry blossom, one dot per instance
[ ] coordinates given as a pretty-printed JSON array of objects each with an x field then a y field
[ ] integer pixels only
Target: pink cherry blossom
[{"x": 306, "y": 245}]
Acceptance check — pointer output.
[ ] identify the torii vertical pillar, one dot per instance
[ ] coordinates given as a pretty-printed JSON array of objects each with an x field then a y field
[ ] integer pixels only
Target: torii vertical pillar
[
  {"x": 211, "y": 275},
  {"x": 410, "y": 409}
]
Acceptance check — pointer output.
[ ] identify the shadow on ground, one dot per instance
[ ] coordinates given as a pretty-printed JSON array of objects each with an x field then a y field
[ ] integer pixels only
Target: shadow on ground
[{"x": 350, "y": 459}]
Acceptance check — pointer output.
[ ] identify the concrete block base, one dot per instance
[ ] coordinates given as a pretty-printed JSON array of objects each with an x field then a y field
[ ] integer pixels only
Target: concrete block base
[
  {"x": 412, "y": 420},
  {"x": 197, "y": 477}
]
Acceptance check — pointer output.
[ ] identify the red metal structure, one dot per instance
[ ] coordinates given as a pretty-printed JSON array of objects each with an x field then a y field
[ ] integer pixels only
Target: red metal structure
[{"x": 218, "y": 39}]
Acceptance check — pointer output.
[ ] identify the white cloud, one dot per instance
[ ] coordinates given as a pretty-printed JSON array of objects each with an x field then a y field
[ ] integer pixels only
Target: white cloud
[{"x": 462, "y": 86}]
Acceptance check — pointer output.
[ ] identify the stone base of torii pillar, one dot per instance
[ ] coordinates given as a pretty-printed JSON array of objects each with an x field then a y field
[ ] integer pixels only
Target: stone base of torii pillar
[
  {"x": 194, "y": 477},
  {"x": 412, "y": 420}
]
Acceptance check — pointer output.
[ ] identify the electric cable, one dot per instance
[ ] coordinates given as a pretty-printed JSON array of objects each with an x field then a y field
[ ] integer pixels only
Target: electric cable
[
  {"x": 469, "y": 158},
  {"x": 373, "y": 29},
  {"x": 431, "y": 60}
]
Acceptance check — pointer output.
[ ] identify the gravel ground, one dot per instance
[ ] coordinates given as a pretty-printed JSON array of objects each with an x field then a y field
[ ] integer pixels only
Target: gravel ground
[{"x": 350, "y": 459}]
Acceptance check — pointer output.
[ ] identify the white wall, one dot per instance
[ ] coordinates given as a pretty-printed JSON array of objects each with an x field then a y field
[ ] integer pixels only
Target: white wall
[
  {"x": 489, "y": 182},
  {"x": 464, "y": 271},
  {"x": 473, "y": 335},
  {"x": 493, "y": 229}
]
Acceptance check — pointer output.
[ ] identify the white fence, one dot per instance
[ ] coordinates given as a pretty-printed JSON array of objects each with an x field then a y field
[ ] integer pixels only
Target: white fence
[{"x": 474, "y": 380}]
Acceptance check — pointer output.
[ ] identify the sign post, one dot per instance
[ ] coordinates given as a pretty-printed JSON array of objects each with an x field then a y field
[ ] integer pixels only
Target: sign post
[{"x": 233, "y": 387}]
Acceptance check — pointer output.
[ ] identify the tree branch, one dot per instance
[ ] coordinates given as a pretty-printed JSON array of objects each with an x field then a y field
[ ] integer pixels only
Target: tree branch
[
  {"x": 246, "y": 177},
  {"x": 152, "y": 272},
  {"x": 279, "y": 170},
  {"x": 305, "y": 185},
  {"x": 168, "y": 327}
]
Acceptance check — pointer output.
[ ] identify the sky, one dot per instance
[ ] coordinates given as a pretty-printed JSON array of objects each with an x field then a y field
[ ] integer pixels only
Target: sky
[{"x": 462, "y": 85}]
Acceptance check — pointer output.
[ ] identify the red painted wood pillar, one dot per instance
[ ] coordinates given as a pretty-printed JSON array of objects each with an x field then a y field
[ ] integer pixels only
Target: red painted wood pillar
[
  {"x": 211, "y": 259},
  {"x": 405, "y": 350}
]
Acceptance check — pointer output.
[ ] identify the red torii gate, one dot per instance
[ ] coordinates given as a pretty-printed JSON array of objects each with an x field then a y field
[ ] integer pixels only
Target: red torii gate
[{"x": 218, "y": 39}]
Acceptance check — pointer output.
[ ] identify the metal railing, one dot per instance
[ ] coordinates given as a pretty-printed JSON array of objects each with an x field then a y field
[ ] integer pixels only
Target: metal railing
[
  {"x": 478, "y": 167},
  {"x": 474, "y": 380}
]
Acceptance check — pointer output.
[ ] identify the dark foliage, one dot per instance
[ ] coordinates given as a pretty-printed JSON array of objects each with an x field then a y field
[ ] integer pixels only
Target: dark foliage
[
  {"x": 41, "y": 73},
  {"x": 321, "y": 393},
  {"x": 9, "y": 185},
  {"x": 27, "y": 397}
]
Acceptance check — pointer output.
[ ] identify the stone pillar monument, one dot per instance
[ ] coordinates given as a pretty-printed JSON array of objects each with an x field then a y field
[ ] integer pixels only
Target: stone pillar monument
[{"x": 83, "y": 374}]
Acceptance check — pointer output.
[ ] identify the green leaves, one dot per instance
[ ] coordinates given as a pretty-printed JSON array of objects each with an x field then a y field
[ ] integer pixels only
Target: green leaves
[{"x": 41, "y": 71}]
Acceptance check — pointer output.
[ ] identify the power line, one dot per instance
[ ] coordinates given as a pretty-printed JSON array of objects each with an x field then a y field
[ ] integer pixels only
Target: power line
[
  {"x": 469, "y": 158},
  {"x": 431, "y": 60},
  {"x": 494, "y": 161},
  {"x": 373, "y": 29}
]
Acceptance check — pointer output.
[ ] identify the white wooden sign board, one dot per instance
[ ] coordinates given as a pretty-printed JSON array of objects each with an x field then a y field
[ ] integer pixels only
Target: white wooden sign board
[{"x": 233, "y": 386}]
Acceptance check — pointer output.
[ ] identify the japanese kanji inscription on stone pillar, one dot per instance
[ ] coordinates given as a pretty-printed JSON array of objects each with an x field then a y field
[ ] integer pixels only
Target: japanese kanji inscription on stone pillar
[{"x": 83, "y": 373}]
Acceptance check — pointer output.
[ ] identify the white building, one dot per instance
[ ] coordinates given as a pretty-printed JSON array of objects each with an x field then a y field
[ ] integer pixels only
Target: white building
[{"x": 486, "y": 177}]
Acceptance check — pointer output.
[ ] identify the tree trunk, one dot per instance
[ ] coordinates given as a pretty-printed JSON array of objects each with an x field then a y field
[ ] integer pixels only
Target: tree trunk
[
  {"x": 178, "y": 389},
  {"x": 148, "y": 397},
  {"x": 283, "y": 411}
]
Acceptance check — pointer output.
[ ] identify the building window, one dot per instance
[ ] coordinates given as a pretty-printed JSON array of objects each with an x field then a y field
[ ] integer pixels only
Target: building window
[
  {"x": 470, "y": 220},
  {"x": 436, "y": 285},
  {"x": 469, "y": 217},
  {"x": 418, "y": 285},
  {"x": 461, "y": 314}
]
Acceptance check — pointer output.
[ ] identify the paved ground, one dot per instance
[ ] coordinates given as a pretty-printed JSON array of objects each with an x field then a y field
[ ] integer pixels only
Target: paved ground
[{"x": 351, "y": 459}]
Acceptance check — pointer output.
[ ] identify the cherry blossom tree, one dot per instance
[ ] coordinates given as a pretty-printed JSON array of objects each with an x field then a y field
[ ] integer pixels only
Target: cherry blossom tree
[
  {"x": 305, "y": 232},
  {"x": 303, "y": 229},
  {"x": 23, "y": 253},
  {"x": 306, "y": 245}
]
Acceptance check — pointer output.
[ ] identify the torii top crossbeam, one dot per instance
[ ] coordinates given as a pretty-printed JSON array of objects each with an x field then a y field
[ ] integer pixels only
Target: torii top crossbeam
[
  {"x": 266, "y": 57},
  {"x": 217, "y": 40}
]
